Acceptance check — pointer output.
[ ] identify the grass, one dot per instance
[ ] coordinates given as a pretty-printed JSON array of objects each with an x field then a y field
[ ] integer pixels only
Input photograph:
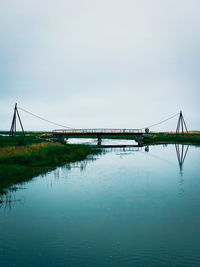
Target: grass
[
  {"x": 172, "y": 138},
  {"x": 6, "y": 141},
  {"x": 19, "y": 163}
]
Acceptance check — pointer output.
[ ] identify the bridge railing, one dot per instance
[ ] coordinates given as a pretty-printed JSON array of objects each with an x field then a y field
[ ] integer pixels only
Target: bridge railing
[{"x": 100, "y": 130}]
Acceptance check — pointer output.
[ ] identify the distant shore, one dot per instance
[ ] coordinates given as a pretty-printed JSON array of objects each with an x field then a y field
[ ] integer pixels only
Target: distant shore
[{"x": 192, "y": 137}]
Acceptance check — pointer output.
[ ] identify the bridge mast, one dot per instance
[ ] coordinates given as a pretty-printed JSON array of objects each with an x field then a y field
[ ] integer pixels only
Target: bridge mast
[
  {"x": 181, "y": 125},
  {"x": 13, "y": 128}
]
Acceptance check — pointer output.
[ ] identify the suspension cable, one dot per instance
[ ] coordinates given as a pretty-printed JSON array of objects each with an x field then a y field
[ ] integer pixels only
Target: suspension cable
[
  {"x": 30, "y": 113},
  {"x": 160, "y": 121},
  {"x": 63, "y": 126}
]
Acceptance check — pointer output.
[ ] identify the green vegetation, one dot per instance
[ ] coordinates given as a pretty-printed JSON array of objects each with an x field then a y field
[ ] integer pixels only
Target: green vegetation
[
  {"x": 19, "y": 140},
  {"x": 27, "y": 157},
  {"x": 192, "y": 138}
]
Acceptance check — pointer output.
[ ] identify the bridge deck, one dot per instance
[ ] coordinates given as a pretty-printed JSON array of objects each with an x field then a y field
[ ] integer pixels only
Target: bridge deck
[{"x": 97, "y": 132}]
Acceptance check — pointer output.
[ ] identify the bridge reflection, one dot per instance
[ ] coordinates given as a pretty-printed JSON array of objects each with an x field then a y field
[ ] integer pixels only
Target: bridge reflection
[{"x": 181, "y": 150}]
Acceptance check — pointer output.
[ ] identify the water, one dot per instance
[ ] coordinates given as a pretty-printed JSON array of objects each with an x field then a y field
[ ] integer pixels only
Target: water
[
  {"x": 126, "y": 208},
  {"x": 93, "y": 141}
]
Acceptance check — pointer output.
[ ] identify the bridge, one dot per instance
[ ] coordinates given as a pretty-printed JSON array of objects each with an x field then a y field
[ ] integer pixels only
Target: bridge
[{"x": 98, "y": 133}]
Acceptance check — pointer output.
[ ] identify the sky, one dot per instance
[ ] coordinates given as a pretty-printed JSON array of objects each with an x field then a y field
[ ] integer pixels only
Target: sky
[{"x": 100, "y": 64}]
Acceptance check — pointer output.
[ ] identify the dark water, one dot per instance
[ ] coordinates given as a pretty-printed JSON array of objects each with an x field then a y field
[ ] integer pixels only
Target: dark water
[{"x": 126, "y": 208}]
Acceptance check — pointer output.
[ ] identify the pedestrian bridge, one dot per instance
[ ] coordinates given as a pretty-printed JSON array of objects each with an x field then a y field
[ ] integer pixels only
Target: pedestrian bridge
[
  {"x": 96, "y": 133},
  {"x": 104, "y": 131}
]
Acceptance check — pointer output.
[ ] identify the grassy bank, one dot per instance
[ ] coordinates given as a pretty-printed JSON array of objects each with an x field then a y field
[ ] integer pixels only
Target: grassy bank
[
  {"x": 192, "y": 138},
  {"x": 19, "y": 162}
]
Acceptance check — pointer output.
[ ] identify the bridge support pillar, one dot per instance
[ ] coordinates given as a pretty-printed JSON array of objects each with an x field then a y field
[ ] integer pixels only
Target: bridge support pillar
[{"x": 99, "y": 140}]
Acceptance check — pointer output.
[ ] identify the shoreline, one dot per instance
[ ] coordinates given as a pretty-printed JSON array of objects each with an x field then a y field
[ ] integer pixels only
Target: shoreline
[
  {"x": 20, "y": 163},
  {"x": 22, "y": 158}
]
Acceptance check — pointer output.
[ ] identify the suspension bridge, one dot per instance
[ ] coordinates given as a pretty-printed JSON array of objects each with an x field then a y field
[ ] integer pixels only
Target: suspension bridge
[{"x": 68, "y": 132}]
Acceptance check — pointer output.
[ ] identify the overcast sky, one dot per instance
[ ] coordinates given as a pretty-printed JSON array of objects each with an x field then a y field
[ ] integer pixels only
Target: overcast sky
[{"x": 100, "y": 63}]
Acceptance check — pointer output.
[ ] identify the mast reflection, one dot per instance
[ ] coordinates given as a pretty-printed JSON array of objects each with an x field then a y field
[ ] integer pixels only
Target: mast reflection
[{"x": 181, "y": 152}]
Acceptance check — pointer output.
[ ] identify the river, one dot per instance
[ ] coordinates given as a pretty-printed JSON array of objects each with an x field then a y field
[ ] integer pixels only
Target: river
[{"x": 125, "y": 207}]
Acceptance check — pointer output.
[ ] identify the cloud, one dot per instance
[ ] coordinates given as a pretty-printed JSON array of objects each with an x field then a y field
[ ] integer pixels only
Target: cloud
[{"x": 100, "y": 63}]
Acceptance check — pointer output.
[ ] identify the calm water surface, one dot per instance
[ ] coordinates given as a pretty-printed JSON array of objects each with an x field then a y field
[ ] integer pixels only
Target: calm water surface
[{"x": 126, "y": 208}]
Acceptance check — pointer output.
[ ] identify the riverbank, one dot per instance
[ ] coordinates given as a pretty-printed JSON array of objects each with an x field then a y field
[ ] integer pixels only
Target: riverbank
[
  {"x": 192, "y": 138},
  {"x": 23, "y": 158}
]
